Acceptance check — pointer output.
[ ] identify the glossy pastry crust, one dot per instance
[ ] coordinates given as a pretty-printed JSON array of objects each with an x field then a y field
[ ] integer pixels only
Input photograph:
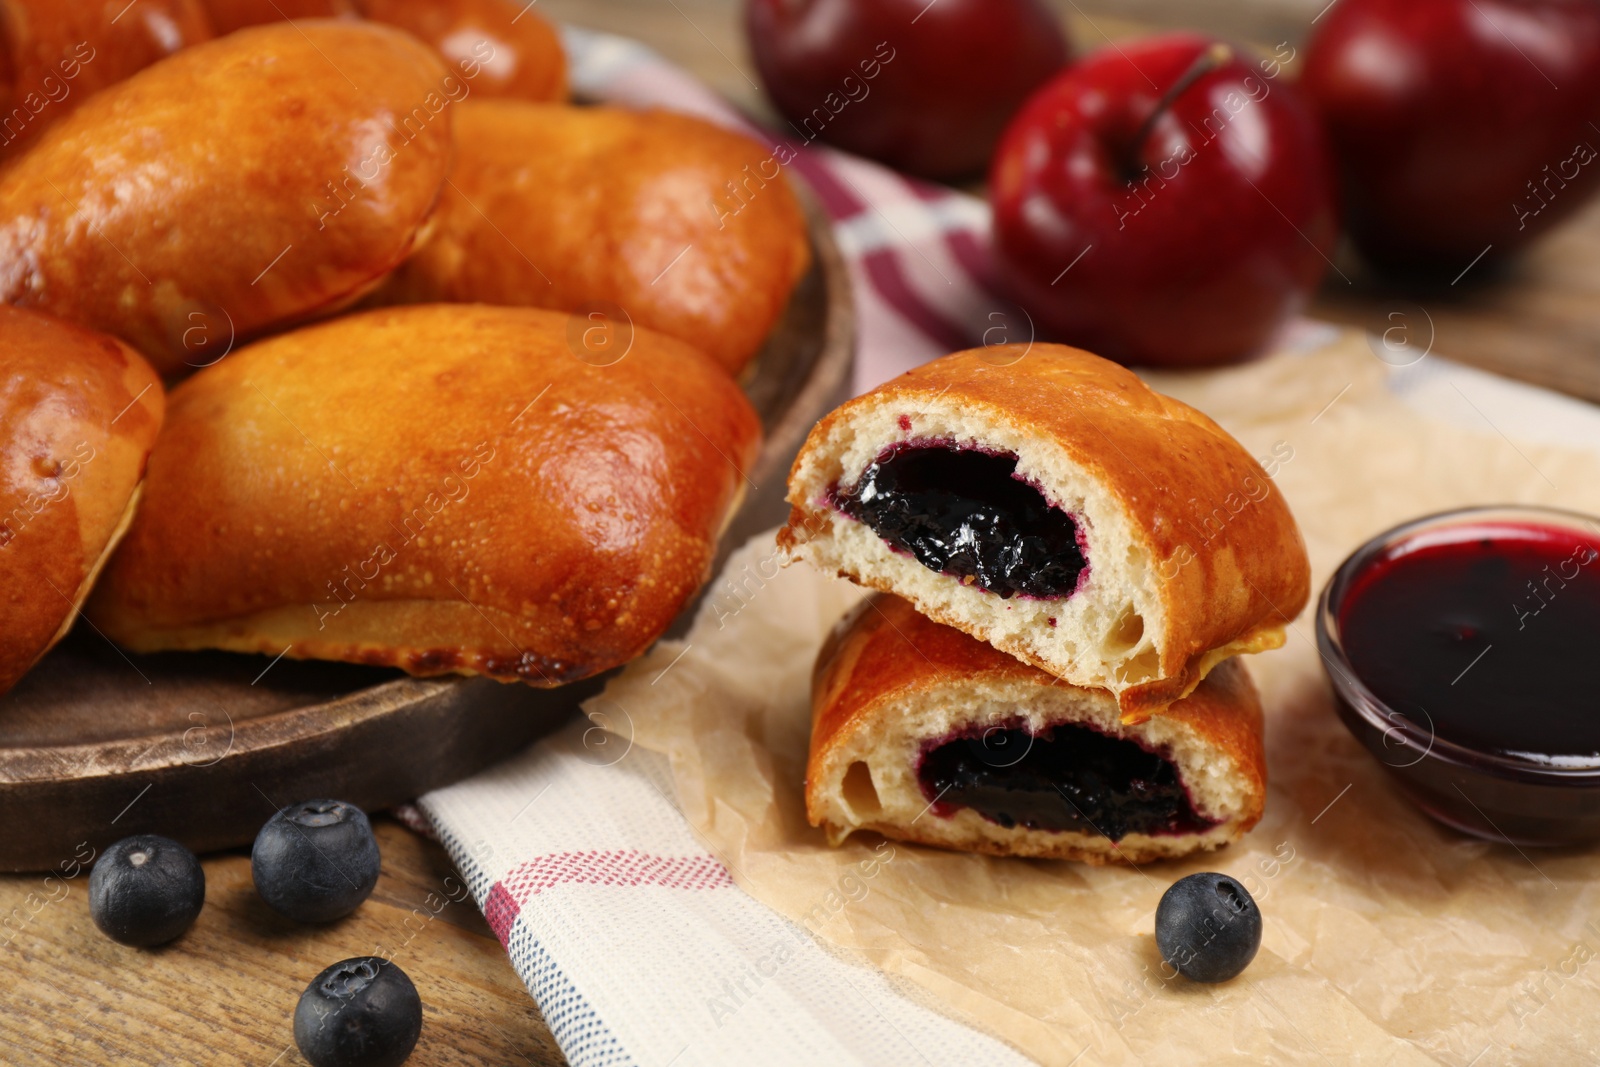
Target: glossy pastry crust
[
  {"x": 502, "y": 48},
  {"x": 438, "y": 488},
  {"x": 229, "y": 15},
  {"x": 54, "y": 54},
  {"x": 79, "y": 413},
  {"x": 506, "y": 49},
  {"x": 242, "y": 184},
  {"x": 691, "y": 230},
  {"x": 1192, "y": 553},
  {"x": 890, "y": 680}
]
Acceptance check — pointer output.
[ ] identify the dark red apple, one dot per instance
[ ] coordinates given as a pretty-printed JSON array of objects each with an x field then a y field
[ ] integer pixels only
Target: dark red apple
[
  {"x": 1167, "y": 201},
  {"x": 1458, "y": 124},
  {"x": 924, "y": 87}
]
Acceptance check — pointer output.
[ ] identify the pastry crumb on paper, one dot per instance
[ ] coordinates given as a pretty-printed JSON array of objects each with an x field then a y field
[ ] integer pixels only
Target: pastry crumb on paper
[{"x": 1387, "y": 939}]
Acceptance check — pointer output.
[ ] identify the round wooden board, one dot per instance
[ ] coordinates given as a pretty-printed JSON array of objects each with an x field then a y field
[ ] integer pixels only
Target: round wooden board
[{"x": 96, "y": 744}]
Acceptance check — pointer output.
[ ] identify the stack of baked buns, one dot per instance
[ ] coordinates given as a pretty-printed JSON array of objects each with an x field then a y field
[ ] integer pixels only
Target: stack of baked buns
[
  {"x": 1066, "y": 564},
  {"x": 453, "y": 364}
]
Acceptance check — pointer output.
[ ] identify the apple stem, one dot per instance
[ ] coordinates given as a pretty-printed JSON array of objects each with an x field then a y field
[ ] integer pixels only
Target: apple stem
[{"x": 1204, "y": 63}]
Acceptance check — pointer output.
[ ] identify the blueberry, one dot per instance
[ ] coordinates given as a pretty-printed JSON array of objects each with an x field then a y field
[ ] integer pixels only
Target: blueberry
[
  {"x": 361, "y": 1012},
  {"x": 146, "y": 890},
  {"x": 316, "y": 861},
  {"x": 1208, "y": 927}
]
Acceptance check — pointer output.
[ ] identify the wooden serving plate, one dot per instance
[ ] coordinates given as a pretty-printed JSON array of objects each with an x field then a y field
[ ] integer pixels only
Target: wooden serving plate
[{"x": 96, "y": 744}]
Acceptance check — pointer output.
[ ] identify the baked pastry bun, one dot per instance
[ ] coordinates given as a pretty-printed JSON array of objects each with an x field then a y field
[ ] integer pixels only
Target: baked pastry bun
[
  {"x": 650, "y": 217},
  {"x": 229, "y": 15},
  {"x": 924, "y": 734},
  {"x": 79, "y": 412},
  {"x": 440, "y": 489},
  {"x": 242, "y": 184},
  {"x": 1049, "y": 502},
  {"x": 499, "y": 47},
  {"x": 55, "y": 54},
  {"x": 502, "y": 48}
]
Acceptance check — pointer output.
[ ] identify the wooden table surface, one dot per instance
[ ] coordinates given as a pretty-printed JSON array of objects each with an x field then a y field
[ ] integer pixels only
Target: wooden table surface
[{"x": 225, "y": 992}]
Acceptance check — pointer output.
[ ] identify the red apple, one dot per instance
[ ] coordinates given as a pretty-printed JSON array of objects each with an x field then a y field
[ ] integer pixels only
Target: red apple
[
  {"x": 1167, "y": 201},
  {"x": 924, "y": 87},
  {"x": 1458, "y": 124}
]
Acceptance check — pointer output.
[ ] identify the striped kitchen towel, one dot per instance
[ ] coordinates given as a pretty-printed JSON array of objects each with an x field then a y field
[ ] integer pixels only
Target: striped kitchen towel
[
  {"x": 633, "y": 939},
  {"x": 637, "y": 945}
]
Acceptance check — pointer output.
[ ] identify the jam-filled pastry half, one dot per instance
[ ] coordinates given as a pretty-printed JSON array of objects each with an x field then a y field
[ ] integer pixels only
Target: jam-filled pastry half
[
  {"x": 79, "y": 413},
  {"x": 1048, "y": 502},
  {"x": 443, "y": 488},
  {"x": 924, "y": 734}
]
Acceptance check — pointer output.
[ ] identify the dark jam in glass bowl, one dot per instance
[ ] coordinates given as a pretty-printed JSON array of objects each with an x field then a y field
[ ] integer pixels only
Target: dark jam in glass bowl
[
  {"x": 1494, "y": 631},
  {"x": 1462, "y": 650}
]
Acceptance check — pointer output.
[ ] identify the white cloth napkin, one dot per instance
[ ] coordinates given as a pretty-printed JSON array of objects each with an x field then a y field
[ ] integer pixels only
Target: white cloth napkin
[{"x": 636, "y": 943}]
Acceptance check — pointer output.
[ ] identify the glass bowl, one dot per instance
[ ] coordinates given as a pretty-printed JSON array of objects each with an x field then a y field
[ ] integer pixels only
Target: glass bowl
[{"x": 1487, "y": 794}]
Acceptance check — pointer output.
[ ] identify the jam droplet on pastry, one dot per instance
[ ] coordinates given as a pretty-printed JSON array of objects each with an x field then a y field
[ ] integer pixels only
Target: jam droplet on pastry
[
  {"x": 1069, "y": 777},
  {"x": 965, "y": 513}
]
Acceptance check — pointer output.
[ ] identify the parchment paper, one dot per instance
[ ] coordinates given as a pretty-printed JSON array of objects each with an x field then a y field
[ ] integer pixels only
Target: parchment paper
[{"x": 1387, "y": 938}]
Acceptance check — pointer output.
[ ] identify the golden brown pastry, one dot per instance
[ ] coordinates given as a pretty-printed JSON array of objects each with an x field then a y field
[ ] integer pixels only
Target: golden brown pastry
[
  {"x": 443, "y": 488},
  {"x": 258, "y": 179},
  {"x": 504, "y": 48},
  {"x": 499, "y": 47},
  {"x": 79, "y": 413},
  {"x": 55, "y": 53},
  {"x": 690, "y": 229},
  {"x": 922, "y": 733},
  {"x": 229, "y": 15},
  {"x": 1049, "y": 502}
]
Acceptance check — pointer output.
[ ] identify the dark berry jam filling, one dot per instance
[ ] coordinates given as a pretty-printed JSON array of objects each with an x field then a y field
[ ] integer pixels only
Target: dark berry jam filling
[
  {"x": 1485, "y": 636},
  {"x": 965, "y": 513},
  {"x": 1070, "y": 777}
]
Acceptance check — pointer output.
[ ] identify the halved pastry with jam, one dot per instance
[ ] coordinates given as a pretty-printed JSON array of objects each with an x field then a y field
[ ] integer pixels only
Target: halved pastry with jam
[
  {"x": 1048, "y": 502},
  {"x": 924, "y": 734}
]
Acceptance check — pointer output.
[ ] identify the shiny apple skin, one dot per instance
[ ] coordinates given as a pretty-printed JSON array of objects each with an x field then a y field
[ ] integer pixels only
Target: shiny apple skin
[
  {"x": 956, "y": 72},
  {"x": 1199, "y": 270},
  {"x": 1442, "y": 111}
]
